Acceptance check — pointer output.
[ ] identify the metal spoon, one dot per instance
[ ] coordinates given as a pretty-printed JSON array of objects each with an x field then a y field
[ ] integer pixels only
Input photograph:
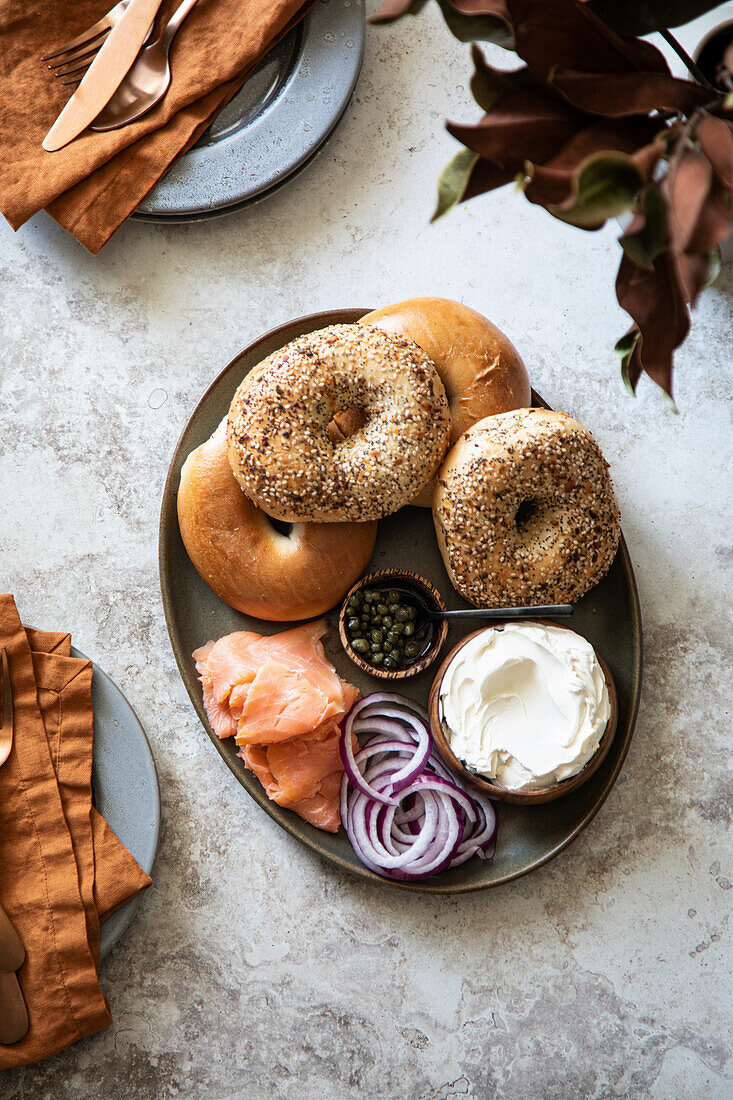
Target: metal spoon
[
  {"x": 431, "y": 614},
  {"x": 147, "y": 81}
]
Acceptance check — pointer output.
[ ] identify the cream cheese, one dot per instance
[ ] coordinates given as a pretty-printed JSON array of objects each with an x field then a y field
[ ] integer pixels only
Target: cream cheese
[{"x": 525, "y": 705}]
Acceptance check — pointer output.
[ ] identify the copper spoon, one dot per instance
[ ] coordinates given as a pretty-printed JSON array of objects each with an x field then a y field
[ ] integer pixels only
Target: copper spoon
[
  {"x": 13, "y": 1013},
  {"x": 6, "y": 725},
  {"x": 12, "y": 952},
  {"x": 147, "y": 81}
]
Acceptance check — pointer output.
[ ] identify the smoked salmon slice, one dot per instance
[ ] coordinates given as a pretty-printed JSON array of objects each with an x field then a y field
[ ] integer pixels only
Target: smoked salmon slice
[{"x": 282, "y": 700}]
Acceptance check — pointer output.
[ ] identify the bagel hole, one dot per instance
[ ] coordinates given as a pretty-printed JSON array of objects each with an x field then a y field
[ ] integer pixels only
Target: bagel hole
[
  {"x": 280, "y": 525},
  {"x": 526, "y": 513},
  {"x": 345, "y": 423}
]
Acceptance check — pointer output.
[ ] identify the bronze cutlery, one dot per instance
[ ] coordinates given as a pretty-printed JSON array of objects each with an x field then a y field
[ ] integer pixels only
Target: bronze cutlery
[
  {"x": 13, "y": 1012},
  {"x": 147, "y": 81}
]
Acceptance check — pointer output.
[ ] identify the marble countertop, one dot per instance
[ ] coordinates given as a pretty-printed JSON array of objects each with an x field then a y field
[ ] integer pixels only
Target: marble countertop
[{"x": 253, "y": 969}]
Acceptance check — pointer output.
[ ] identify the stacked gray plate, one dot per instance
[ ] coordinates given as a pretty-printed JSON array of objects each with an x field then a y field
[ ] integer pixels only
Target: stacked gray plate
[{"x": 275, "y": 125}]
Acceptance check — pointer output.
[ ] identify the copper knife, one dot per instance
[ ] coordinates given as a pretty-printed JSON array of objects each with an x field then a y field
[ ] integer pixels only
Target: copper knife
[{"x": 104, "y": 75}]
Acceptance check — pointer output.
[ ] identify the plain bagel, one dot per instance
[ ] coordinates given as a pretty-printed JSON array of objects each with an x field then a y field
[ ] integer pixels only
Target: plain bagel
[
  {"x": 249, "y": 563},
  {"x": 288, "y": 462},
  {"x": 481, "y": 370},
  {"x": 525, "y": 512}
]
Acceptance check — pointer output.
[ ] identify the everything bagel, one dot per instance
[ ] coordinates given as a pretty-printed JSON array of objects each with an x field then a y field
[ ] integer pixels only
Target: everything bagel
[
  {"x": 524, "y": 510},
  {"x": 280, "y": 447}
]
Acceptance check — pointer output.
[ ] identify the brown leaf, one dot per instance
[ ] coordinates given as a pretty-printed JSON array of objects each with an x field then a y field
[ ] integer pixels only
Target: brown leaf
[
  {"x": 714, "y": 221},
  {"x": 655, "y": 301},
  {"x": 716, "y": 141},
  {"x": 547, "y": 185},
  {"x": 627, "y": 135},
  {"x": 687, "y": 187},
  {"x": 486, "y": 176},
  {"x": 566, "y": 33},
  {"x": 489, "y": 85},
  {"x": 527, "y": 124},
  {"x": 631, "y": 93},
  {"x": 391, "y": 9},
  {"x": 553, "y": 182},
  {"x": 648, "y": 157},
  {"x": 496, "y": 8}
]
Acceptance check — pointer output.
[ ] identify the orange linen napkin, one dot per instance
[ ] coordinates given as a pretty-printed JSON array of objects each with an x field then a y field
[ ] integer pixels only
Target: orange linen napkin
[
  {"x": 65, "y": 697},
  {"x": 94, "y": 183},
  {"x": 48, "y": 854}
]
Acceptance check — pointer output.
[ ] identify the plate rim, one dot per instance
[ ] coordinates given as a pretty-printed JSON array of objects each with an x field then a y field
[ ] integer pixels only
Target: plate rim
[
  {"x": 321, "y": 319},
  {"x": 286, "y": 174},
  {"x": 126, "y": 913}
]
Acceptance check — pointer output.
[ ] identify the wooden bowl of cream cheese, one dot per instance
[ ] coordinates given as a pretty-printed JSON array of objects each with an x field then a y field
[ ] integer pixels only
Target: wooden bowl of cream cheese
[{"x": 523, "y": 796}]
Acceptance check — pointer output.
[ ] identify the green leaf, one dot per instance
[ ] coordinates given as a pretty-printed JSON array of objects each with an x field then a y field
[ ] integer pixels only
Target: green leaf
[
  {"x": 644, "y": 16},
  {"x": 453, "y": 181},
  {"x": 605, "y": 186},
  {"x": 715, "y": 262},
  {"x": 646, "y": 243},
  {"x": 625, "y": 348},
  {"x": 489, "y": 85},
  {"x": 477, "y": 28},
  {"x": 728, "y": 102}
]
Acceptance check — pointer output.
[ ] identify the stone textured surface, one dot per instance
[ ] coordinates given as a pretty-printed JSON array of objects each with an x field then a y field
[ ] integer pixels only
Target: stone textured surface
[{"x": 253, "y": 969}]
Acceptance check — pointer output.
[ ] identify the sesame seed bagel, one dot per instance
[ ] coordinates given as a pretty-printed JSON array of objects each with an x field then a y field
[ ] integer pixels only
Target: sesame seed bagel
[
  {"x": 246, "y": 561},
  {"x": 291, "y": 466},
  {"x": 524, "y": 510},
  {"x": 481, "y": 370}
]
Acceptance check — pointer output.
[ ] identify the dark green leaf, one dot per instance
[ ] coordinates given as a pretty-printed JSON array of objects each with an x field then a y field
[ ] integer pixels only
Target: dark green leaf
[
  {"x": 644, "y": 241},
  {"x": 453, "y": 181},
  {"x": 715, "y": 262},
  {"x": 626, "y": 348},
  {"x": 604, "y": 187},
  {"x": 645, "y": 16}
]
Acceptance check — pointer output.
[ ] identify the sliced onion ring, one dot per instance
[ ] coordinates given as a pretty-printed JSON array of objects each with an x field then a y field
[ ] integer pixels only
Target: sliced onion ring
[{"x": 407, "y": 816}]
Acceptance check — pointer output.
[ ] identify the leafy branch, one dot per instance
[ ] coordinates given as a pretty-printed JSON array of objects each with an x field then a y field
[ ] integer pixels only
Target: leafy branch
[{"x": 594, "y": 125}]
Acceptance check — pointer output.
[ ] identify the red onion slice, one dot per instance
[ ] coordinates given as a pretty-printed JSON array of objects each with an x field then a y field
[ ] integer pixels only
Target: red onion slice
[{"x": 407, "y": 816}]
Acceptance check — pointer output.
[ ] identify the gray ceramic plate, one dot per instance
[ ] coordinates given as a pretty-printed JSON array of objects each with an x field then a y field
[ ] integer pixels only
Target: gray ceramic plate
[
  {"x": 608, "y": 616},
  {"x": 275, "y": 124},
  {"x": 125, "y": 786}
]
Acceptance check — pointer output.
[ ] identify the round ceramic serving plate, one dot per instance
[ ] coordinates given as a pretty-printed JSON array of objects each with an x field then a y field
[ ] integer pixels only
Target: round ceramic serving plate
[
  {"x": 608, "y": 616},
  {"x": 125, "y": 787},
  {"x": 275, "y": 125}
]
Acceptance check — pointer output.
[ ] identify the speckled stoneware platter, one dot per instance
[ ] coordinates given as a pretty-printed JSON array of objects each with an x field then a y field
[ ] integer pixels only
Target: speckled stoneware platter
[
  {"x": 125, "y": 787},
  {"x": 275, "y": 125},
  {"x": 608, "y": 616}
]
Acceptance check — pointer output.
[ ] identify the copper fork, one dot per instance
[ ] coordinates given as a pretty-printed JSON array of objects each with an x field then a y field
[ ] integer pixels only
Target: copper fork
[{"x": 76, "y": 55}]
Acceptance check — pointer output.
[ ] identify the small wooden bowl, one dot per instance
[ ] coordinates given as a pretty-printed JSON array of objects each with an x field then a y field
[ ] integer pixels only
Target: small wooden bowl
[
  {"x": 501, "y": 794},
  {"x": 400, "y": 578}
]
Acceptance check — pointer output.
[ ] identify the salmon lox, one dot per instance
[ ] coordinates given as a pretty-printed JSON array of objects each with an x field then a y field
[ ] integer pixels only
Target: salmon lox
[{"x": 282, "y": 700}]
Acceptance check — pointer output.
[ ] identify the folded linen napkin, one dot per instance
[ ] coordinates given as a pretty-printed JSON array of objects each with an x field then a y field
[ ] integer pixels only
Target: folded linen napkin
[
  {"x": 63, "y": 869},
  {"x": 94, "y": 183}
]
